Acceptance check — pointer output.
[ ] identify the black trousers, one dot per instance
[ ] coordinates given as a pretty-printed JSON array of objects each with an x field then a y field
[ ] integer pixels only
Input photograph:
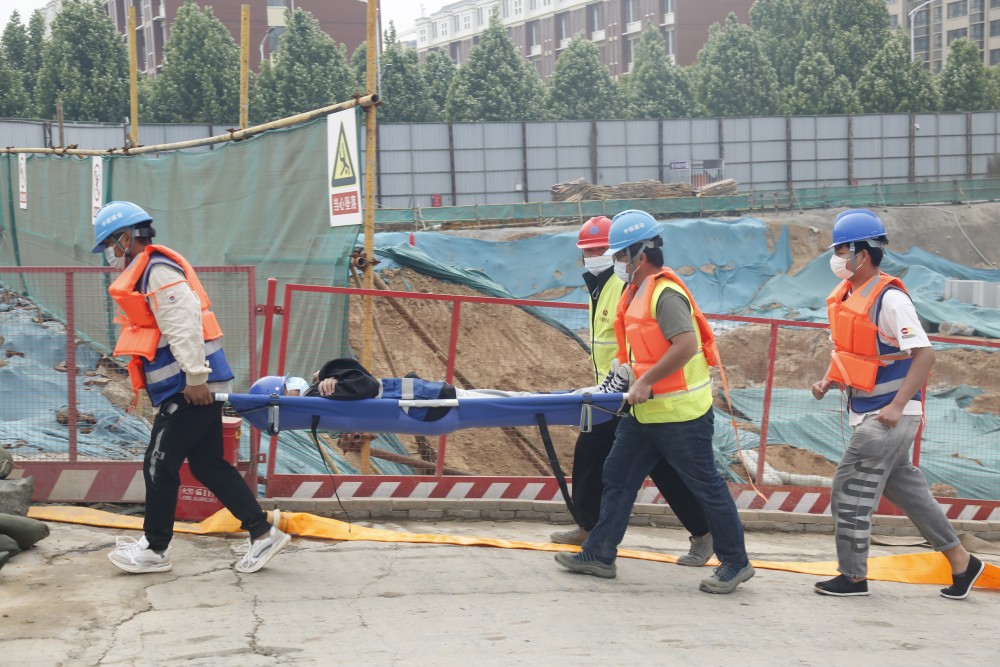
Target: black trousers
[
  {"x": 193, "y": 432},
  {"x": 588, "y": 465}
]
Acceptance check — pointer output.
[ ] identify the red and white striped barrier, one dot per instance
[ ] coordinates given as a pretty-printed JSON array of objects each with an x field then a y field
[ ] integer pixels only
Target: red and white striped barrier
[{"x": 121, "y": 482}]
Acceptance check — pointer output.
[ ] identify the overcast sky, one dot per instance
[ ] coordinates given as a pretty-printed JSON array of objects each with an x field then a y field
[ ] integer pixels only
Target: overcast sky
[{"x": 403, "y": 12}]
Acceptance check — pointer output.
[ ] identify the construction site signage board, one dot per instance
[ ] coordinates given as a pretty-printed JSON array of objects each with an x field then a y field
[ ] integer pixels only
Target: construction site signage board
[
  {"x": 22, "y": 179},
  {"x": 342, "y": 168},
  {"x": 96, "y": 186}
]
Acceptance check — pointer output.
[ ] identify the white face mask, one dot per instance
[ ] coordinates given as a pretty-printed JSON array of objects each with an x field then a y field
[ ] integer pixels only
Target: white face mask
[
  {"x": 838, "y": 265},
  {"x": 598, "y": 265},
  {"x": 621, "y": 270},
  {"x": 118, "y": 263}
]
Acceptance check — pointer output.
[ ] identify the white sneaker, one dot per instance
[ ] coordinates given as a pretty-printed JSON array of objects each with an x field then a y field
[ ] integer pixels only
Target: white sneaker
[
  {"x": 136, "y": 557},
  {"x": 263, "y": 549}
]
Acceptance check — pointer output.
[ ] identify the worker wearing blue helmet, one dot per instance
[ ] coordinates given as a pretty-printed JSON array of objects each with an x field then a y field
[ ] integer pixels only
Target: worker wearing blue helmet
[
  {"x": 175, "y": 345},
  {"x": 881, "y": 359},
  {"x": 667, "y": 340}
]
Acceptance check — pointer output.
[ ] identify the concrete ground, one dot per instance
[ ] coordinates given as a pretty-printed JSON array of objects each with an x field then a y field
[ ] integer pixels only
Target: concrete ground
[{"x": 366, "y": 603}]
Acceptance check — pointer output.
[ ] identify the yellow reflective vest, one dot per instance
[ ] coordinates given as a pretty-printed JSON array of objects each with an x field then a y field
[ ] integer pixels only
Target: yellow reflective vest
[{"x": 686, "y": 394}]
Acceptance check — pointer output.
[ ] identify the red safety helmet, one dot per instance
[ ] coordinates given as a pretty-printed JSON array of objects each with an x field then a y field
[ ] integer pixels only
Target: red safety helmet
[{"x": 594, "y": 233}]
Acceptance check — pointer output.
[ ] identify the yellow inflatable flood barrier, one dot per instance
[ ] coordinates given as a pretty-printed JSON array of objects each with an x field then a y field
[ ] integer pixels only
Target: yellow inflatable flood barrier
[{"x": 919, "y": 568}]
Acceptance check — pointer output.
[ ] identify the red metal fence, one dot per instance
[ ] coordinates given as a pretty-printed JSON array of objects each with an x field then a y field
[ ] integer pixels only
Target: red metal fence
[
  {"x": 57, "y": 325},
  {"x": 476, "y": 341}
]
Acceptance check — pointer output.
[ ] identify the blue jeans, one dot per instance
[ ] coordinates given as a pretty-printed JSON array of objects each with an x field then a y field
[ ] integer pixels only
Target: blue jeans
[{"x": 687, "y": 447}]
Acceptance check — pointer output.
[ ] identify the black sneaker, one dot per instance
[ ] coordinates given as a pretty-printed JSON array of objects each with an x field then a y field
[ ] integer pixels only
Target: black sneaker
[
  {"x": 618, "y": 379},
  {"x": 842, "y": 587},
  {"x": 962, "y": 583}
]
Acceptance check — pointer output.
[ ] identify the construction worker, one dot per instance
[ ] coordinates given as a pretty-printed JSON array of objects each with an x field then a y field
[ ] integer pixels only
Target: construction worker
[
  {"x": 668, "y": 340},
  {"x": 592, "y": 448},
  {"x": 881, "y": 358},
  {"x": 176, "y": 354}
]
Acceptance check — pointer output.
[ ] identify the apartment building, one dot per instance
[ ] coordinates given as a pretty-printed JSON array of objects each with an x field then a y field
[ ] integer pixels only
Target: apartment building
[
  {"x": 343, "y": 20},
  {"x": 541, "y": 29},
  {"x": 934, "y": 24}
]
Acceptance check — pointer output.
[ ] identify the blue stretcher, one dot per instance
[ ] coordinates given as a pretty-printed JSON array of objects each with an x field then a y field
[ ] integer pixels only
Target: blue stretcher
[{"x": 274, "y": 413}]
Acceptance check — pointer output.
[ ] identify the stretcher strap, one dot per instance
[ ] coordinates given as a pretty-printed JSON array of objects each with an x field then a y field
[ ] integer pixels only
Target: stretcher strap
[
  {"x": 550, "y": 450},
  {"x": 330, "y": 466}
]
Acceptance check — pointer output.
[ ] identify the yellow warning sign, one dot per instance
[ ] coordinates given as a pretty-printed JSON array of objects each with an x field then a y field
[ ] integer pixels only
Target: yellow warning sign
[{"x": 343, "y": 166}]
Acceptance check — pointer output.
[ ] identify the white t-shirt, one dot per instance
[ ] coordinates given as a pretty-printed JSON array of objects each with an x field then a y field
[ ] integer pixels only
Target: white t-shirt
[{"x": 899, "y": 326}]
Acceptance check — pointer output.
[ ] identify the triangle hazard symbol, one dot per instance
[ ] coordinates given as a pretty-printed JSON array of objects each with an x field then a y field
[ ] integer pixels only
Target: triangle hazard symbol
[{"x": 343, "y": 168}]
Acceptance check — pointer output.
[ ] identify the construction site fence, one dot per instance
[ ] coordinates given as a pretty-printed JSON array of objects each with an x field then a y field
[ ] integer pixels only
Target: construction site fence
[
  {"x": 890, "y": 194},
  {"x": 481, "y": 342},
  {"x": 66, "y": 412},
  {"x": 459, "y": 164}
]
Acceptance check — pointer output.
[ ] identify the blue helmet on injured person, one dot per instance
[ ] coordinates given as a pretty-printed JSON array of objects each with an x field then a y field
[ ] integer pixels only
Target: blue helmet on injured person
[{"x": 269, "y": 385}]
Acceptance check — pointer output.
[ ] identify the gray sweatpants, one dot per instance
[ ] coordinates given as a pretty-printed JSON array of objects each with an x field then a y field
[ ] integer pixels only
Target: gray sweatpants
[{"x": 877, "y": 461}]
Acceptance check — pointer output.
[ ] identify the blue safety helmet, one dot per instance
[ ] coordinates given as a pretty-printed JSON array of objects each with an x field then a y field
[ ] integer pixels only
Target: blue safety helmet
[
  {"x": 631, "y": 227},
  {"x": 268, "y": 385},
  {"x": 858, "y": 224},
  {"x": 114, "y": 217}
]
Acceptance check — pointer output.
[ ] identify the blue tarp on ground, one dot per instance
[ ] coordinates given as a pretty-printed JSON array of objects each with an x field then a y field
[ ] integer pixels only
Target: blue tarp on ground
[{"x": 727, "y": 265}]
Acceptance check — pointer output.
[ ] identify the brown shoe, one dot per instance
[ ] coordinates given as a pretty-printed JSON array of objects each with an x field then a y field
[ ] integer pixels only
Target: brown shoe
[{"x": 575, "y": 536}]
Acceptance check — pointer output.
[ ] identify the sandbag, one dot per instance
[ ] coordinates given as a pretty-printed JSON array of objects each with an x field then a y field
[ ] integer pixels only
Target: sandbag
[
  {"x": 6, "y": 463},
  {"x": 25, "y": 531},
  {"x": 9, "y": 544},
  {"x": 15, "y": 495}
]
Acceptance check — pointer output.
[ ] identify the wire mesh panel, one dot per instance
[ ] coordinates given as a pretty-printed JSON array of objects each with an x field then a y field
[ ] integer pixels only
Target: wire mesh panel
[
  {"x": 472, "y": 341},
  {"x": 804, "y": 438},
  {"x": 63, "y": 397},
  {"x": 782, "y": 436}
]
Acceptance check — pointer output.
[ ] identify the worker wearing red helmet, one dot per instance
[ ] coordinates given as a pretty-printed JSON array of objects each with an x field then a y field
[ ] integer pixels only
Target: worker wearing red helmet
[{"x": 592, "y": 448}]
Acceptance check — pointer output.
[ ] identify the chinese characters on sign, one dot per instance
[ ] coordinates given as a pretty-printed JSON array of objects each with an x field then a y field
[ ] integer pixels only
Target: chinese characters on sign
[{"x": 342, "y": 172}]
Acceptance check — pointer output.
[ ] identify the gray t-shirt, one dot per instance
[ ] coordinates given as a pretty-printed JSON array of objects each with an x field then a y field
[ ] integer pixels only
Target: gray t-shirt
[{"x": 673, "y": 313}]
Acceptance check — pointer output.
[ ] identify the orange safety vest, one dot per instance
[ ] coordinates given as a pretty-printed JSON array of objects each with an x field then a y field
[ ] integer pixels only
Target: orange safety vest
[
  {"x": 140, "y": 334},
  {"x": 853, "y": 328},
  {"x": 636, "y": 324}
]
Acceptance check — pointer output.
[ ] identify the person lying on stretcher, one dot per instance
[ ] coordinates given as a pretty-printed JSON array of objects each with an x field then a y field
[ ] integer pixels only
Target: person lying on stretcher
[{"x": 346, "y": 379}]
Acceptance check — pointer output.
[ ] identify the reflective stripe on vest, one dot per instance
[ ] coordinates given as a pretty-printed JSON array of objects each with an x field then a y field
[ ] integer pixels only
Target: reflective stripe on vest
[
  {"x": 603, "y": 340},
  {"x": 685, "y": 395}
]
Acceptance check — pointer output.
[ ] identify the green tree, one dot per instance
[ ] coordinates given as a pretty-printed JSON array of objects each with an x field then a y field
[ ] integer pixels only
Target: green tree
[
  {"x": 848, "y": 32},
  {"x": 404, "y": 89},
  {"x": 496, "y": 83},
  {"x": 656, "y": 88},
  {"x": 200, "y": 81},
  {"x": 309, "y": 71},
  {"x": 439, "y": 70},
  {"x": 33, "y": 51},
  {"x": 892, "y": 83},
  {"x": 359, "y": 67},
  {"x": 14, "y": 101},
  {"x": 818, "y": 90},
  {"x": 734, "y": 76},
  {"x": 14, "y": 42},
  {"x": 85, "y": 65},
  {"x": 581, "y": 87},
  {"x": 778, "y": 25},
  {"x": 964, "y": 82}
]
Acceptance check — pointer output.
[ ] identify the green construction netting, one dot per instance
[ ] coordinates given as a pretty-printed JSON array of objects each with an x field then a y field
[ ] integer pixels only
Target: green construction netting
[{"x": 259, "y": 202}]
